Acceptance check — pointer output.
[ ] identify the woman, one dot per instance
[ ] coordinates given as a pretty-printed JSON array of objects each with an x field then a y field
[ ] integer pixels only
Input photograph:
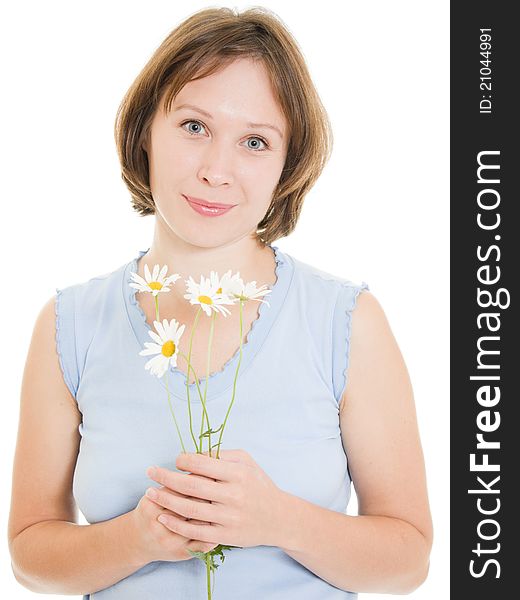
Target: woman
[{"x": 224, "y": 113}]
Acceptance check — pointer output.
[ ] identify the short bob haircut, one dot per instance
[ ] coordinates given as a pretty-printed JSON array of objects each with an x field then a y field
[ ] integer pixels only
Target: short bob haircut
[{"x": 204, "y": 43}]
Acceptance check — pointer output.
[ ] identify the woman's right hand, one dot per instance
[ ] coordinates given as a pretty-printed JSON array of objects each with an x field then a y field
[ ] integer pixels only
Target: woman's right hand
[{"x": 157, "y": 542}]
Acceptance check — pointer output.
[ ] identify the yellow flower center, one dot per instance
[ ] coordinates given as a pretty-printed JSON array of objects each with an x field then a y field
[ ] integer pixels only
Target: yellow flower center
[
  {"x": 219, "y": 291},
  {"x": 205, "y": 300},
  {"x": 155, "y": 285},
  {"x": 168, "y": 348}
]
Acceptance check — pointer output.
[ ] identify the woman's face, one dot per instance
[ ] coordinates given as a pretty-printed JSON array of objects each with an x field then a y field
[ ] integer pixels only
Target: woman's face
[{"x": 216, "y": 145}]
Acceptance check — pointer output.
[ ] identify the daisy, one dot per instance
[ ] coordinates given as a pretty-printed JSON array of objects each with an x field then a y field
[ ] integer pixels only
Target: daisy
[
  {"x": 235, "y": 288},
  {"x": 229, "y": 284},
  {"x": 155, "y": 282},
  {"x": 208, "y": 294},
  {"x": 166, "y": 347}
]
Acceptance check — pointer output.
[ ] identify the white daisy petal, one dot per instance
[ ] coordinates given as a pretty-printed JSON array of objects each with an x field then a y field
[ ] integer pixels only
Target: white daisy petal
[
  {"x": 147, "y": 274},
  {"x": 174, "y": 329},
  {"x": 139, "y": 287},
  {"x": 166, "y": 327},
  {"x": 163, "y": 272},
  {"x": 158, "y": 363},
  {"x": 155, "y": 272},
  {"x": 222, "y": 309},
  {"x": 170, "y": 328},
  {"x": 165, "y": 366},
  {"x": 215, "y": 281},
  {"x": 167, "y": 331},
  {"x": 171, "y": 279},
  {"x": 138, "y": 279},
  {"x": 223, "y": 300},
  {"x": 160, "y": 330},
  {"x": 226, "y": 276},
  {"x": 155, "y": 338},
  {"x": 152, "y": 345},
  {"x": 235, "y": 286},
  {"x": 152, "y": 362},
  {"x": 152, "y": 349}
]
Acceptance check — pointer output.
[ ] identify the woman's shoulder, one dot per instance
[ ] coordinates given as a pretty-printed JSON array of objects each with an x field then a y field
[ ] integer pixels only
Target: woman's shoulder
[
  {"x": 93, "y": 287},
  {"x": 341, "y": 287},
  {"x": 80, "y": 305}
]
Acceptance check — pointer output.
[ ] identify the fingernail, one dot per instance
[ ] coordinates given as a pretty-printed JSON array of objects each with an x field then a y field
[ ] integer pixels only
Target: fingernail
[
  {"x": 151, "y": 493},
  {"x": 151, "y": 472}
]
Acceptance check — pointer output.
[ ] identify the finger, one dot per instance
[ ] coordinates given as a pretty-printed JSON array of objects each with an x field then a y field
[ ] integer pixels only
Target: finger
[
  {"x": 198, "y": 546},
  {"x": 179, "y": 495},
  {"x": 166, "y": 511},
  {"x": 190, "y": 485},
  {"x": 191, "y": 509},
  {"x": 201, "y": 464},
  {"x": 238, "y": 455},
  {"x": 190, "y": 530},
  {"x": 153, "y": 472},
  {"x": 173, "y": 492}
]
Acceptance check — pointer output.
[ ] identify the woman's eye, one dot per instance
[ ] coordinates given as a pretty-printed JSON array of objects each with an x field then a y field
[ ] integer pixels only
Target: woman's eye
[
  {"x": 193, "y": 130},
  {"x": 257, "y": 142}
]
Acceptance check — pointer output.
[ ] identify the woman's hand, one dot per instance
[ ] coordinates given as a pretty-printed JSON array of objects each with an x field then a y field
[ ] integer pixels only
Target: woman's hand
[
  {"x": 157, "y": 542},
  {"x": 245, "y": 507}
]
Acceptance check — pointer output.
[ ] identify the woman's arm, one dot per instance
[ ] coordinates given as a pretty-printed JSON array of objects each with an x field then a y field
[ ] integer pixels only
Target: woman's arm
[
  {"x": 386, "y": 548},
  {"x": 59, "y": 557},
  {"x": 50, "y": 552}
]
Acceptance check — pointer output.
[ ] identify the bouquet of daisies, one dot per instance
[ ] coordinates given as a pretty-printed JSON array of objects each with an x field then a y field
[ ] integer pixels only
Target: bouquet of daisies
[{"x": 210, "y": 296}]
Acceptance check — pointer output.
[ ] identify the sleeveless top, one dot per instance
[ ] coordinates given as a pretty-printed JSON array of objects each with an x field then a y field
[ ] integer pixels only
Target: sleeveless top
[{"x": 285, "y": 414}]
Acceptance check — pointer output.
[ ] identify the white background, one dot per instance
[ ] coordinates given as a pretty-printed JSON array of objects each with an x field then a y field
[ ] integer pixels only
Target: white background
[{"x": 379, "y": 213}]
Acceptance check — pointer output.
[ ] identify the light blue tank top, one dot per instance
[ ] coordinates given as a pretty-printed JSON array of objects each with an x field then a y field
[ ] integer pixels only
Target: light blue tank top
[{"x": 285, "y": 414}]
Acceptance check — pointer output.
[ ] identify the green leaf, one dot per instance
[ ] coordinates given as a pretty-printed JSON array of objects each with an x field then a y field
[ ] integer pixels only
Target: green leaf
[
  {"x": 218, "y": 551},
  {"x": 201, "y": 555},
  {"x": 209, "y": 432}
]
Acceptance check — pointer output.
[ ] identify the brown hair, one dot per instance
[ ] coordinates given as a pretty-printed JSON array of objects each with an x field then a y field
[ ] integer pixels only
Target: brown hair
[{"x": 201, "y": 45}]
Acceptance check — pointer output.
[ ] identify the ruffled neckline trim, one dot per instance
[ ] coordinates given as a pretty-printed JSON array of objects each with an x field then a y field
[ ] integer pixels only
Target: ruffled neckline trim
[{"x": 254, "y": 337}]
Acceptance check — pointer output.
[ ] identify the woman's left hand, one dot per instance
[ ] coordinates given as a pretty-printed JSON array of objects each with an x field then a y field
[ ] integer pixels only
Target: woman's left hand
[{"x": 243, "y": 506}]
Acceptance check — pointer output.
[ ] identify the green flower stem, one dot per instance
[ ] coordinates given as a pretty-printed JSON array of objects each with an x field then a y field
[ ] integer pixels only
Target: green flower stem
[
  {"x": 173, "y": 414},
  {"x": 196, "y": 383},
  {"x": 167, "y": 377},
  {"x": 208, "y": 581},
  {"x": 212, "y": 328},
  {"x": 234, "y": 385},
  {"x": 188, "y": 384},
  {"x": 157, "y": 307},
  {"x": 190, "y": 368},
  {"x": 213, "y": 586}
]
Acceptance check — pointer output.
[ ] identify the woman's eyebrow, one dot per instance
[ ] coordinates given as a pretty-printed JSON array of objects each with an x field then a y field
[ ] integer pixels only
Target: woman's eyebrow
[{"x": 209, "y": 116}]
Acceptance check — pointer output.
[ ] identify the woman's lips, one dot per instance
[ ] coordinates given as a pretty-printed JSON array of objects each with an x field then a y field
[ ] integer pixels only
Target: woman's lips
[{"x": 208, "y": 211}]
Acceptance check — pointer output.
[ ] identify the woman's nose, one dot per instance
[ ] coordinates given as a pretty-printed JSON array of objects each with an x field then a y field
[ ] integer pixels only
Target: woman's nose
[{"x": 216, "y": 164}]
